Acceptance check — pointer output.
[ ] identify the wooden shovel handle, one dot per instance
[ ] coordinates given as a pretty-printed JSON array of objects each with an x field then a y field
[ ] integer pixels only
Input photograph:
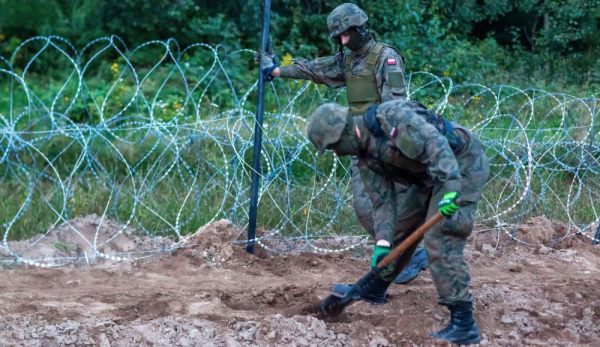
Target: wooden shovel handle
[{"x": 409, "y": 241}]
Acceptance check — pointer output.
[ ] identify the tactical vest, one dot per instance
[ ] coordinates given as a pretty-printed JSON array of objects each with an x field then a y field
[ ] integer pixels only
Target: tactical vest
[
  {"x": 444, "y": 126},
  {"x": 361, "y": 89}
]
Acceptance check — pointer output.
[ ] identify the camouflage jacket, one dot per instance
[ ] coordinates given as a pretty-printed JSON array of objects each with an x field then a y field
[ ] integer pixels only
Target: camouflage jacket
[
  {"x": 411, "y": 151},
  {"x": 330, "y": 70}
]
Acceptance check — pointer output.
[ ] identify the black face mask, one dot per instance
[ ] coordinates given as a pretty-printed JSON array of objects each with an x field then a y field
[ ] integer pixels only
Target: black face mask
[{"x": 356, "y": 39}]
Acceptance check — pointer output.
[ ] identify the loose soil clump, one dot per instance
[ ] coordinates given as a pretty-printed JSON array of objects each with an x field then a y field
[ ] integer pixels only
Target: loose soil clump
[{"x": 212, "y": 292}]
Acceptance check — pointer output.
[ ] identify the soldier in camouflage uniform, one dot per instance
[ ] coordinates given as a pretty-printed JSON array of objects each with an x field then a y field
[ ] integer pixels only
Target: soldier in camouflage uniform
[
  {"x": 372, "y": 73},
  {"x": 403, "y": 142}
]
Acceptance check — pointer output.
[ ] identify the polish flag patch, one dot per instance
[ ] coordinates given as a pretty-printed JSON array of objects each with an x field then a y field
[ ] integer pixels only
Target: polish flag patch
[
  {"x": 391, "y": 61},
  {"x": 394, "y": 132}
]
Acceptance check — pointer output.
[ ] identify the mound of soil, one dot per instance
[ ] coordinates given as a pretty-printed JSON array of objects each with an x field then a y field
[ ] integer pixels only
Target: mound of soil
[
  {"x": 78, "y": 237},
  {"x": 537, "y": 232},
  {"x": 213, "y": 293},
  {"x": 212, "y": 244}
]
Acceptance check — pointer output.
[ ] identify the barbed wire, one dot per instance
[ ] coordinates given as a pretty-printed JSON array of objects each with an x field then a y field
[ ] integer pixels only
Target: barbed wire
[{"x": 163, "y": 147}]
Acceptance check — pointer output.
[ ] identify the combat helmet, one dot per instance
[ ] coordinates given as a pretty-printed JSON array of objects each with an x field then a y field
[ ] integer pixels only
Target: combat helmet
[
  {"x": 326, "y": 125},
  {"x": 345, "y": 17}
]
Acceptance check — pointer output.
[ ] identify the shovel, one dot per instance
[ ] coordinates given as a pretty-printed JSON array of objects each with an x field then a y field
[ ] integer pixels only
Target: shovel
[{"x": 335, "y": 304}]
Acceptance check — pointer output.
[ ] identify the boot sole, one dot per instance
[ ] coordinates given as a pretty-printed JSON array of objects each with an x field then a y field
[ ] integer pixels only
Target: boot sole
[
  {"x": 362, "y": 299},
  {"x": 469, "y": 342},
  {"x": 356, "y": 299},
  {"x": 461, "y": 343}
]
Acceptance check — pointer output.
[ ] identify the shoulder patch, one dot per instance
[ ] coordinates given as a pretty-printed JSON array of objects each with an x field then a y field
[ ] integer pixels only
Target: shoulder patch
[
  {"x": 394, "y": 132},
  {"x": 391, "y": 61}
]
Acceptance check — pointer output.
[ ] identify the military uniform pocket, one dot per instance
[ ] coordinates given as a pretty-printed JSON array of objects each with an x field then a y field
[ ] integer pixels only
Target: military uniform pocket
[
  {"x": 461, "y": 224},
  {"x": 395, "y": 79},
  {"x": 410, "y": 145}
]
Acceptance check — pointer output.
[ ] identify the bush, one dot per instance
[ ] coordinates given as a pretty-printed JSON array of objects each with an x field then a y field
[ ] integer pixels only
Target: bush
[{"x": 471, "y": 40}]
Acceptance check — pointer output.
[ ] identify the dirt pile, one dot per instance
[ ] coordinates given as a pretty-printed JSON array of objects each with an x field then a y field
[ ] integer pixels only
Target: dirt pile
[
  {"x": 77, "y": 239},
  {"x": 213, "y": 293},
  {"x": 213, "y": 245},
  {"x": 537, "y": 232}
]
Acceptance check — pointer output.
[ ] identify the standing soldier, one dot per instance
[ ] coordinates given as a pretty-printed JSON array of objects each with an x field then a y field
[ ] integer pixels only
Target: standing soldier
[
  {"x": 440, "y": 161},
  {"x": 372, "y": 72}
]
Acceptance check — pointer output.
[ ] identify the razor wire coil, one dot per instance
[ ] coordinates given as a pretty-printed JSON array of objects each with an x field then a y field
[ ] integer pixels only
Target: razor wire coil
[{"x": 541, "y": 146}]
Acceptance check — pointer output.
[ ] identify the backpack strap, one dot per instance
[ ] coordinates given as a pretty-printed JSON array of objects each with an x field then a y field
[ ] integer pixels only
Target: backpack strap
[
  {"x": 372, "y": 122},
  {"x": 432, "y": 118},
  {"x": 374, "y": 56},
  {"x": 453, "y": 140}
]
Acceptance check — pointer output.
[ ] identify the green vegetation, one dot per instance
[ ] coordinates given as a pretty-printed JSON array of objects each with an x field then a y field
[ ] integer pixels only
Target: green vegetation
[{"x": 552, "y": 45}]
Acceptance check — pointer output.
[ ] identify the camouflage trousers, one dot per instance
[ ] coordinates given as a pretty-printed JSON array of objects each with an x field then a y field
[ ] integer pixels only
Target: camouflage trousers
[
  {"x": 361, "y": 202},
  {"x": 445, "y": 242}
]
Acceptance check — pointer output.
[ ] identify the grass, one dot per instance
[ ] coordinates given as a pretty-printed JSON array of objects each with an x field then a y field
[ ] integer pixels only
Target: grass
[
  {"x": 62, "y": 247},
  {"x": 130, "y": 166},
  {"x": 161, "y": 181}
]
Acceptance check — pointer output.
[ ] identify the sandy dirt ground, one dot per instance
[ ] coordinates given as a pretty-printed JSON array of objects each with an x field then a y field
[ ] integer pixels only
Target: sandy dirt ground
[{"x": 215, "y": 294}]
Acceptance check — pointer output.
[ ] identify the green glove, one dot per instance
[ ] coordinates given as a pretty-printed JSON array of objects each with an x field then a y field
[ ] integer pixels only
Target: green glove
[
  {"x": 378, "y": 254},
  {"x": 448, "y": 205}
]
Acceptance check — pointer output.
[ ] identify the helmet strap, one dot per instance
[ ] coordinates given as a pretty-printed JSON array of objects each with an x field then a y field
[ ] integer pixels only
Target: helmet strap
[{"x": 363, "y": 30}]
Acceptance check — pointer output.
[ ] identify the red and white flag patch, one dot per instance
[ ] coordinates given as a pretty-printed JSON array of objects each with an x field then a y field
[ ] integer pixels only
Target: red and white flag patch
[
  {"x": 391, "y": 61},
  {"x": 394, "y": 132}
]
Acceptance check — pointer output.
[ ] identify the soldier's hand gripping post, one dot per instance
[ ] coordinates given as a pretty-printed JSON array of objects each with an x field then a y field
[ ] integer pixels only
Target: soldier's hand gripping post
[{"x": 268, "y": 61}]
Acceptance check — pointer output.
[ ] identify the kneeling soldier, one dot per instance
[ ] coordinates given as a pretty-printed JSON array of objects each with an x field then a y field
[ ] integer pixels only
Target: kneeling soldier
[{"x": 403, "y": 142}]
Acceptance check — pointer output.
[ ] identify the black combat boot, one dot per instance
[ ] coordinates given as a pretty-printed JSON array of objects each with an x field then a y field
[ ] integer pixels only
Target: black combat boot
[
  {"x": 417, "y": 263},
  {"x": 462, "y": 329},
  {"x": 371, "y": 288}
]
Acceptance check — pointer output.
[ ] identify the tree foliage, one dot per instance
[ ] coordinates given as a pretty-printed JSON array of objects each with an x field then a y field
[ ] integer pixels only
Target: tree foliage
[{"x": 468, "y": 39}]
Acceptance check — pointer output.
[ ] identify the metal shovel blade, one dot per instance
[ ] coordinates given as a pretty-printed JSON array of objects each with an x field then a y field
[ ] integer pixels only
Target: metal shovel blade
[{"x": 332, "y": 306}]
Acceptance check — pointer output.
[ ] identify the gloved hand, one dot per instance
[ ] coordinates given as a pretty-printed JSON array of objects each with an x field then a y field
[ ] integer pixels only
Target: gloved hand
[
  {"x": 382, "y": 249},
  {"x": 268, "y": 61},
  {"x": 378, "y": 254},
  {"x": 449, "y": 204}
]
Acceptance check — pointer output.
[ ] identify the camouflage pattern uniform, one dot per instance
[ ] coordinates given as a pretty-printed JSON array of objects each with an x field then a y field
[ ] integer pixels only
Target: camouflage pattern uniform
[
  {"x": 331, "y": 70},
  {"x": 412, "y": 151},
  {"x": 388, "y": 73}
]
